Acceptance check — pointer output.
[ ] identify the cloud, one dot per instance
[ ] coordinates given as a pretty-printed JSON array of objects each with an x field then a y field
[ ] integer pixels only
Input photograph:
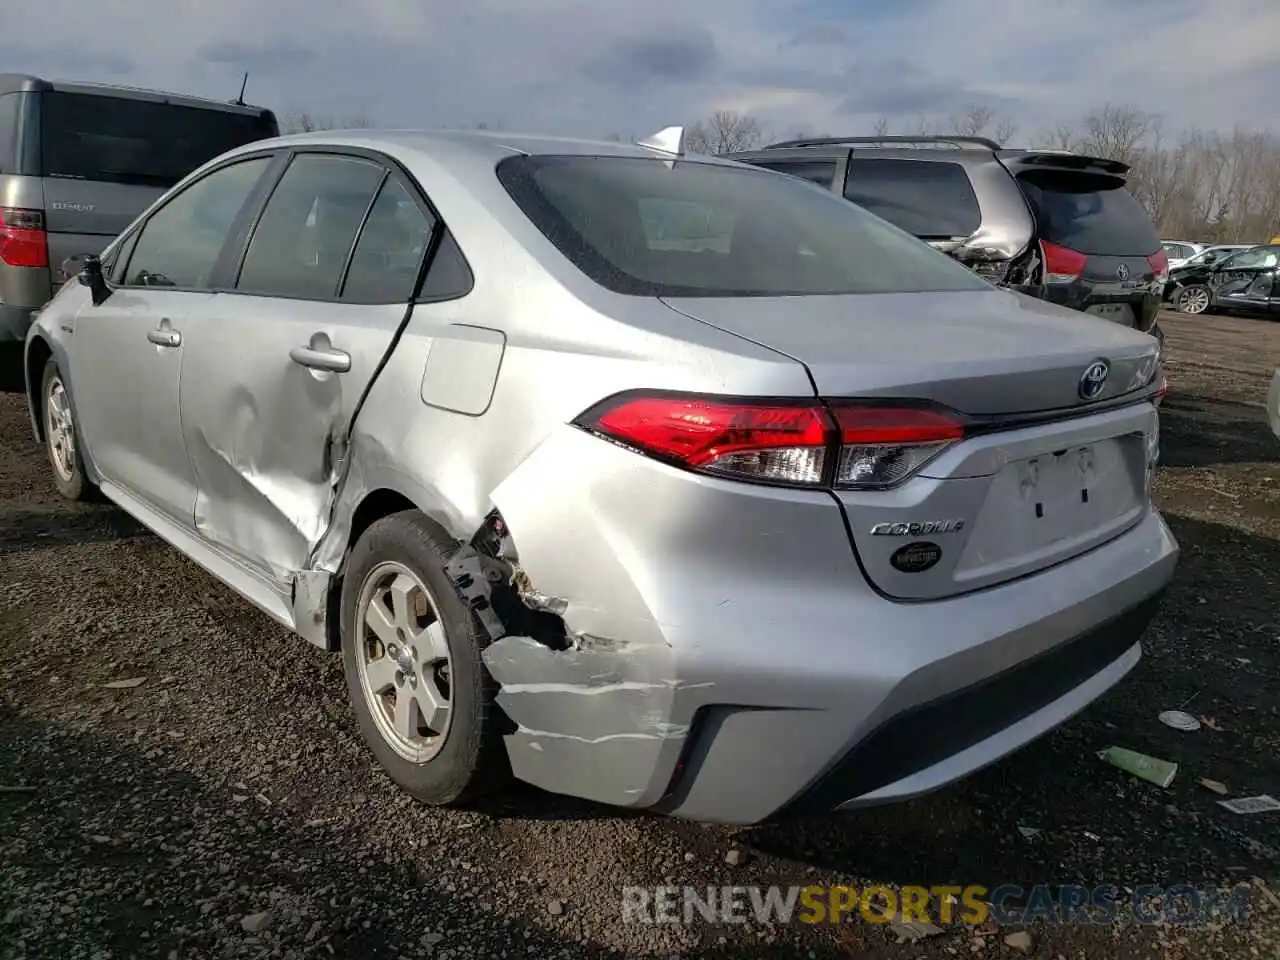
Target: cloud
[
  {"x": 658, "y": 58},
  {"x": 820, "y": 35},
  {"x": 274, "y": 56},
  {"x": 68, "y": 61},
  {"x": 583, "y": 67}
]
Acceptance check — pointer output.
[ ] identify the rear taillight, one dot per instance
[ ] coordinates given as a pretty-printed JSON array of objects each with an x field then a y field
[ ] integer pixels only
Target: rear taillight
[
  {"x": 843, "y": 444},
  {"x": 1159, "y": 265},
  {"x": 1061, "y": 265},
  {"x": 23, "y": 242},
  {"x": 753, "y": 440},
  {"x": 882, "y": 446}
]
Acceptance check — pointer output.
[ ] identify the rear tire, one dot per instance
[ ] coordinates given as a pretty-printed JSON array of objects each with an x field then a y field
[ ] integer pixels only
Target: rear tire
[
  {"x": 1193, "y": 300},
  {"x": 61, "y": 437},
  {"x": 411, "y": 653}
]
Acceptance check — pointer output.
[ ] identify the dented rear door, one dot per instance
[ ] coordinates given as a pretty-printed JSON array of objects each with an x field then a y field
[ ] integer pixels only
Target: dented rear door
[
  {"x": 274, "y": 372},
  {"x": 265, "y": 431}
]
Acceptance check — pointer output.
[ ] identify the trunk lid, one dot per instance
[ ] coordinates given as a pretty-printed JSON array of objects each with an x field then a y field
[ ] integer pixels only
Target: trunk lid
[
  {"x": 982, "y": 353},
  {"x": 1003, "y": 502}
]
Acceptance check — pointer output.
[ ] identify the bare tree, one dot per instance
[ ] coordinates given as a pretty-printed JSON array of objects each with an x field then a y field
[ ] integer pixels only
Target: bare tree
[
  {"x": 725, "y": 131},
  {"x": 1197, "y": 185},
  {"x": 976, "y": 120},
  {"x": 304, "y": 122},
  {"x": 1006, "y": 130},
  {"x": 973, "y": 122},
  {"x": 1116, "y": 132}
]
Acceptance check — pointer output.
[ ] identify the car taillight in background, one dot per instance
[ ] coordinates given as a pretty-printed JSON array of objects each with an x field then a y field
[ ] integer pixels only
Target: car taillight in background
[
  {"x": 845, "y": 444},
  {"x": 1061, "y": 265},
  {"x": 23, "y": 242},
  {"x": 1159, "y": 265}
]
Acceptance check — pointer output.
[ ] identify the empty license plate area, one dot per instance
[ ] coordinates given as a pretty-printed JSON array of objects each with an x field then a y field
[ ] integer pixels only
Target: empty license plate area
[
  {"x": 1116, "y": 312},
  {"x": 1042, "y": 509}
]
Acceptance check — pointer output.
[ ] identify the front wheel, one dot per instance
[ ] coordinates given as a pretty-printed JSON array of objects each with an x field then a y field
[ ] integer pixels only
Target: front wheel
[
  {"x": 411, "y": 654},
  {"x": 1193, "y": 299},
  {"x": 60, "y": 437}
]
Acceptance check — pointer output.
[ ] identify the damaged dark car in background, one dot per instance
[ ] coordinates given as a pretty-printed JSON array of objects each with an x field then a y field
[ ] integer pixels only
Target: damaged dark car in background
[
  {"x": 658, "y": 480},
  {"x": 1244, "y": 282}
]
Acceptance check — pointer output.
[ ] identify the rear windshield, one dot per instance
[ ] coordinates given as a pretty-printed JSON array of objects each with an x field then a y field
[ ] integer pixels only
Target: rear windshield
[
  {"x": 931, "y": 198},
  {"x": 638, "y": 226},
  {"x": 1093, "y": 215},
  {"x": 91, "y": 137}
]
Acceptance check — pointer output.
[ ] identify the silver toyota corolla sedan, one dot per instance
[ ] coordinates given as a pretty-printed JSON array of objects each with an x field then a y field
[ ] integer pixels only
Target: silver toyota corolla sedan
[{"x": 649, "y": 478}]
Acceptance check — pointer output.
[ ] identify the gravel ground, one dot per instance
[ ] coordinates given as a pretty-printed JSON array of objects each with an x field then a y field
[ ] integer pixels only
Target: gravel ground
[{"x": 224, "y": 806}]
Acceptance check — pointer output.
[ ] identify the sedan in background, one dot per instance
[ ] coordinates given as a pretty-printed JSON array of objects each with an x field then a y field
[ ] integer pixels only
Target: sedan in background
[
  {"x": 1244, "y": 282},
  {"x": 660, "y": 480},
  {"x": 1180, "y": 251}
]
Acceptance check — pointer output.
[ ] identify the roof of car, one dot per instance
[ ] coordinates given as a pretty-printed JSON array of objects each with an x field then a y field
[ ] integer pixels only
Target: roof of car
[
  {"x": 462, "y": 145},
  {"x": 19, "y": 82}
]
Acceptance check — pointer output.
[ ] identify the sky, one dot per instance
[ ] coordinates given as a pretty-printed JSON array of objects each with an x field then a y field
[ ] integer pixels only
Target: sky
[{"x": 631, "y": 67}]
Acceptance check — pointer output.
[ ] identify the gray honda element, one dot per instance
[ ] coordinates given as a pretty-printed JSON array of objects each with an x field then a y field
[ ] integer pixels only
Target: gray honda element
[{"x": 80, "y": 161}]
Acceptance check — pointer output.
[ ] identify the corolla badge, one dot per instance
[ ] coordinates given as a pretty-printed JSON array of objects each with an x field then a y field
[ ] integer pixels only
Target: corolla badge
[
  {"x": 1094, "y": 379},
  {"x": 1122, "y": 272},
  {"x": 916, "y": 528}
]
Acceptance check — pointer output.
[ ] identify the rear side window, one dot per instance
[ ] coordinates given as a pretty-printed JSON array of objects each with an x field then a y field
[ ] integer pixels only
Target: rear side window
[
  {"x": 449, "y": 276},
  {"x": 637, "y": 226},
  {"x": 821, "y": 172},
  {"x": 1089, "y": 214},
  {"x": 308, "y": 228},
  {"x": 120, "y": 140},
  {"x": 932, "y": 199},
  {"x": 1257, "y": 258},
  {"x": 384, "y": 267},
  {"x": 1178, "y": 251}
]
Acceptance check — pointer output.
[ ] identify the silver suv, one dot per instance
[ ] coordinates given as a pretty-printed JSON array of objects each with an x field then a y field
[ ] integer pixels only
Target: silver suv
[
  {"x": 79, "y": 161},
  {"x": 1057, "y": 225}
]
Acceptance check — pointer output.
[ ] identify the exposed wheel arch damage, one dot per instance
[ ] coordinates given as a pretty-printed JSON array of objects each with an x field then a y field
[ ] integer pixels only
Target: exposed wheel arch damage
[{"x": 596, "y": 715}]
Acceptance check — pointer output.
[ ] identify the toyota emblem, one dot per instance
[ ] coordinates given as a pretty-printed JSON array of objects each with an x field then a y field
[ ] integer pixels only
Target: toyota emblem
[
  {"x": 1094, "y": 379},
  {"x": 1122, "y": 271}
]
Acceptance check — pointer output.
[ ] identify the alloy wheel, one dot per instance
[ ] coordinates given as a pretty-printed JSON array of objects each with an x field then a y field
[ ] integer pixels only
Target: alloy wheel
[
  {"x": 60, "y": 430},
  {"x": 1193, "y": 301},
  {"x": 403, "y": 660}
]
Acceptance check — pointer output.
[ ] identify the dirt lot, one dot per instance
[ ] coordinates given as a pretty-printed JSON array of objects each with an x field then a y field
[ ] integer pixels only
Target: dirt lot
[{"x": 230, "y": 782}]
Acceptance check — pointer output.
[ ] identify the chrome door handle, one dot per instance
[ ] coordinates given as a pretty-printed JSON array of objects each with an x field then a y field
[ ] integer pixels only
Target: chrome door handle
[
  {"x": 164, "y": 337},
  {"x": 321, "y": 358}
]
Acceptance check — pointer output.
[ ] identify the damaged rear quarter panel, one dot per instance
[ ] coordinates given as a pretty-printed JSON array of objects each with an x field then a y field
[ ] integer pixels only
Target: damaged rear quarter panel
[
  {"x": 562, "y": 356},
  {"x": 670, "y": 582}
]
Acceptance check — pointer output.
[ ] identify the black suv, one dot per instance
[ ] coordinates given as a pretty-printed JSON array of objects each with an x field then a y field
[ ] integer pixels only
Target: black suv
[
  {"x": 1247, "y": 281},
  {"x": 1057, "y": 225}
]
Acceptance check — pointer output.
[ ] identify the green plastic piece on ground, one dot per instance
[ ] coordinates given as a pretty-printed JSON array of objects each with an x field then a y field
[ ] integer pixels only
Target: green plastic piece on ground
[{"x": 1151, "y": 769}]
